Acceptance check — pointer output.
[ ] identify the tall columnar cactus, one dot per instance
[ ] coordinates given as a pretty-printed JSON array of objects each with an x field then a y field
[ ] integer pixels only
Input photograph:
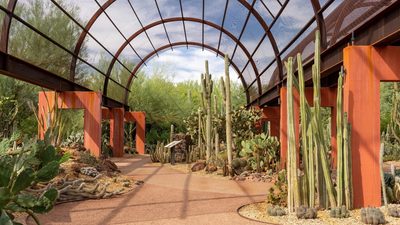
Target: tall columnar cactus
[
  {"x": 308, "y": 193},
  {"x": 171, "y": 134},
  {"x": 199, "y": 139},
  {"x": 293, "y": 185},
  {"x": 348, "y": 186},
  {"x": 226, "y": 93},
  {"x": 207, "y": 85},
  {"x": 339, "y": 138},
  {"x": 322, "y": 147}
]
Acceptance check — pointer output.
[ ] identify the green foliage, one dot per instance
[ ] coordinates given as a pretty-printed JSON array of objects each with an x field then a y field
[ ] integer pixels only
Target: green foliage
[
  {"x": 277, "y": 194},
  {"x": 261, "y": 151},
  {"x": 22, "y": 167},
  {"x": 179, "y": 104},
  {"x": 244, "y": 123}
]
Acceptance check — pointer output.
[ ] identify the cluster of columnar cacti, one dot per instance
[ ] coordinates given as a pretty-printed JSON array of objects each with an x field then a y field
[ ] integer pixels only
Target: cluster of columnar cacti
[
  {"x": 276, "y": 211},
  {"x": 160, "y": 153},
  {"x": 315, "y": 182},
  {"x": 372, "y": 216},
  {"x": 304, "y": 212}
]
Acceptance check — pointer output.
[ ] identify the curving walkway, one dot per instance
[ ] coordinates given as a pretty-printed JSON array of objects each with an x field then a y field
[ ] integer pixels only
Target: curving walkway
[{"x": 167, "y": 196}]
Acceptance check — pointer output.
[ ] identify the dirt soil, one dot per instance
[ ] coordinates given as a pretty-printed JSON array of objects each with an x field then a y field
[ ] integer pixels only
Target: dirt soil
[{"x": 258, "y": 211}]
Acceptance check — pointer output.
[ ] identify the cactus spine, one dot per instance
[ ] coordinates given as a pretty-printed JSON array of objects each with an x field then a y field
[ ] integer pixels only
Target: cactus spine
[
  {"x": 207, "y": 85},
  {"x": 293, "y": 185},
  {"x": 226, "y": 93}
]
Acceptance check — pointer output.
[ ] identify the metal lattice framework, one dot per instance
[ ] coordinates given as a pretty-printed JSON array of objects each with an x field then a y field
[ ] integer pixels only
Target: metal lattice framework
[{"x": 258, "y": 35}]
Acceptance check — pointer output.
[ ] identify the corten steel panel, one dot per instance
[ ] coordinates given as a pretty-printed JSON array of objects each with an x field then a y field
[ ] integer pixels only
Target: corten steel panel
[
  {"x": 140, "y": 119},
  {"x": 328, "y": 99},
  {"x": 117, "y": 131},
  {"x": 272, "y": 115},
  {"x": 365, "y": 67},
  {"x": 89, "y": 101}
]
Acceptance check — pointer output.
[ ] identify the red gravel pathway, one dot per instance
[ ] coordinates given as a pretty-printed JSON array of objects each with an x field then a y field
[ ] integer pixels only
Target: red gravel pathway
[{"x": 167, "y": 196}]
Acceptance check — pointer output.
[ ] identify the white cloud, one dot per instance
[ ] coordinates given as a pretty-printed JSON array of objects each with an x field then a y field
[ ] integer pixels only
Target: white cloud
[{"x": 183, "y": 64}]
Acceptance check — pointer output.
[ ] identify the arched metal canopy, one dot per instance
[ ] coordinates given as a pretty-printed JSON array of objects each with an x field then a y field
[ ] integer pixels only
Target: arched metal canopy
[{"x": 256, "y": 34}]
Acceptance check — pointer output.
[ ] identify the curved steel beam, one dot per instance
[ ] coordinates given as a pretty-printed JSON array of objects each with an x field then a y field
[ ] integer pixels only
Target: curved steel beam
[
  {"x": 242, "y": 2},
  {"x": 82, "y": 36},
  {"x": 5, "y": 32},
  {"x": 270, "y": 36},
  {"x": 177, "y": 19},
  {"x": 320, "y": 22},
  {"x": 184, "y": 43}
]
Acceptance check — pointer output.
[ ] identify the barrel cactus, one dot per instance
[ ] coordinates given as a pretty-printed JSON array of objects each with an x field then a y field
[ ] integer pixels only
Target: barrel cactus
[
  {"x": 340, "y": 212},
  {"x": 276, "y": 211},
  {"x": 372, "y": 215},
  {"x": 303, "y": 212}
]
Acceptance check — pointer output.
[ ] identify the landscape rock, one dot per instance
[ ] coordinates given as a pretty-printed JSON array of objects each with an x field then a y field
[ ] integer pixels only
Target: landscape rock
[
  {"x": 89, "y": 171},
  {"x": 198, "y": 166}
]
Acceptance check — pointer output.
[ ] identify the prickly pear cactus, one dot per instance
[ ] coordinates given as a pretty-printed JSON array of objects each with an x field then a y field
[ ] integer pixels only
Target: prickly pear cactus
[
  {"x": 372, "y": 216},
  {"x": 19, "y": 169}
]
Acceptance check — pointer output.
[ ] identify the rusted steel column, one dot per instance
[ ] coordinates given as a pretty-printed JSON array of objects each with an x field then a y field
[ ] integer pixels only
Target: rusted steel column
[
  {"x": 140, "y": 119},
  {"x": 365, "y": 67},
  {"x": 117, "y": 131},
  {"x": 89, "y": 101},
  {"x": 272, "y": 115},
  {"x": 284, "y": 126}
]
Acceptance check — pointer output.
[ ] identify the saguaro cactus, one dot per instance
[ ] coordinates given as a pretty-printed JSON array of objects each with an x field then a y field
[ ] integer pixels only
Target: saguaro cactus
[
  {"x": 226, "y": 93},
  {"x": 207, "y": 85}
]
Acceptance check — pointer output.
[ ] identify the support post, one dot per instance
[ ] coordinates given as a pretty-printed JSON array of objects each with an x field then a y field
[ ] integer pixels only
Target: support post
[
  {"x": 117, "y": 131},
  {"x": 89, "y": 101},
  {"x": 140, "y": 119},
  {"x": 365, "y": 67},
  {"x": 272, "y": 115}
]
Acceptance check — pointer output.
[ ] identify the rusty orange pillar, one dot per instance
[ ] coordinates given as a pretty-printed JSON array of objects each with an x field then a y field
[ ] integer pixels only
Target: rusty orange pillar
[
  {"x": 140, "y": 119},
  {"x": 89, "y": 101},
  {"x": 365, "y": 67},
  {"x": 117, "y": 131},
  {"x": 284, "y": 126},
  {"x": 272, "y": 115}
]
